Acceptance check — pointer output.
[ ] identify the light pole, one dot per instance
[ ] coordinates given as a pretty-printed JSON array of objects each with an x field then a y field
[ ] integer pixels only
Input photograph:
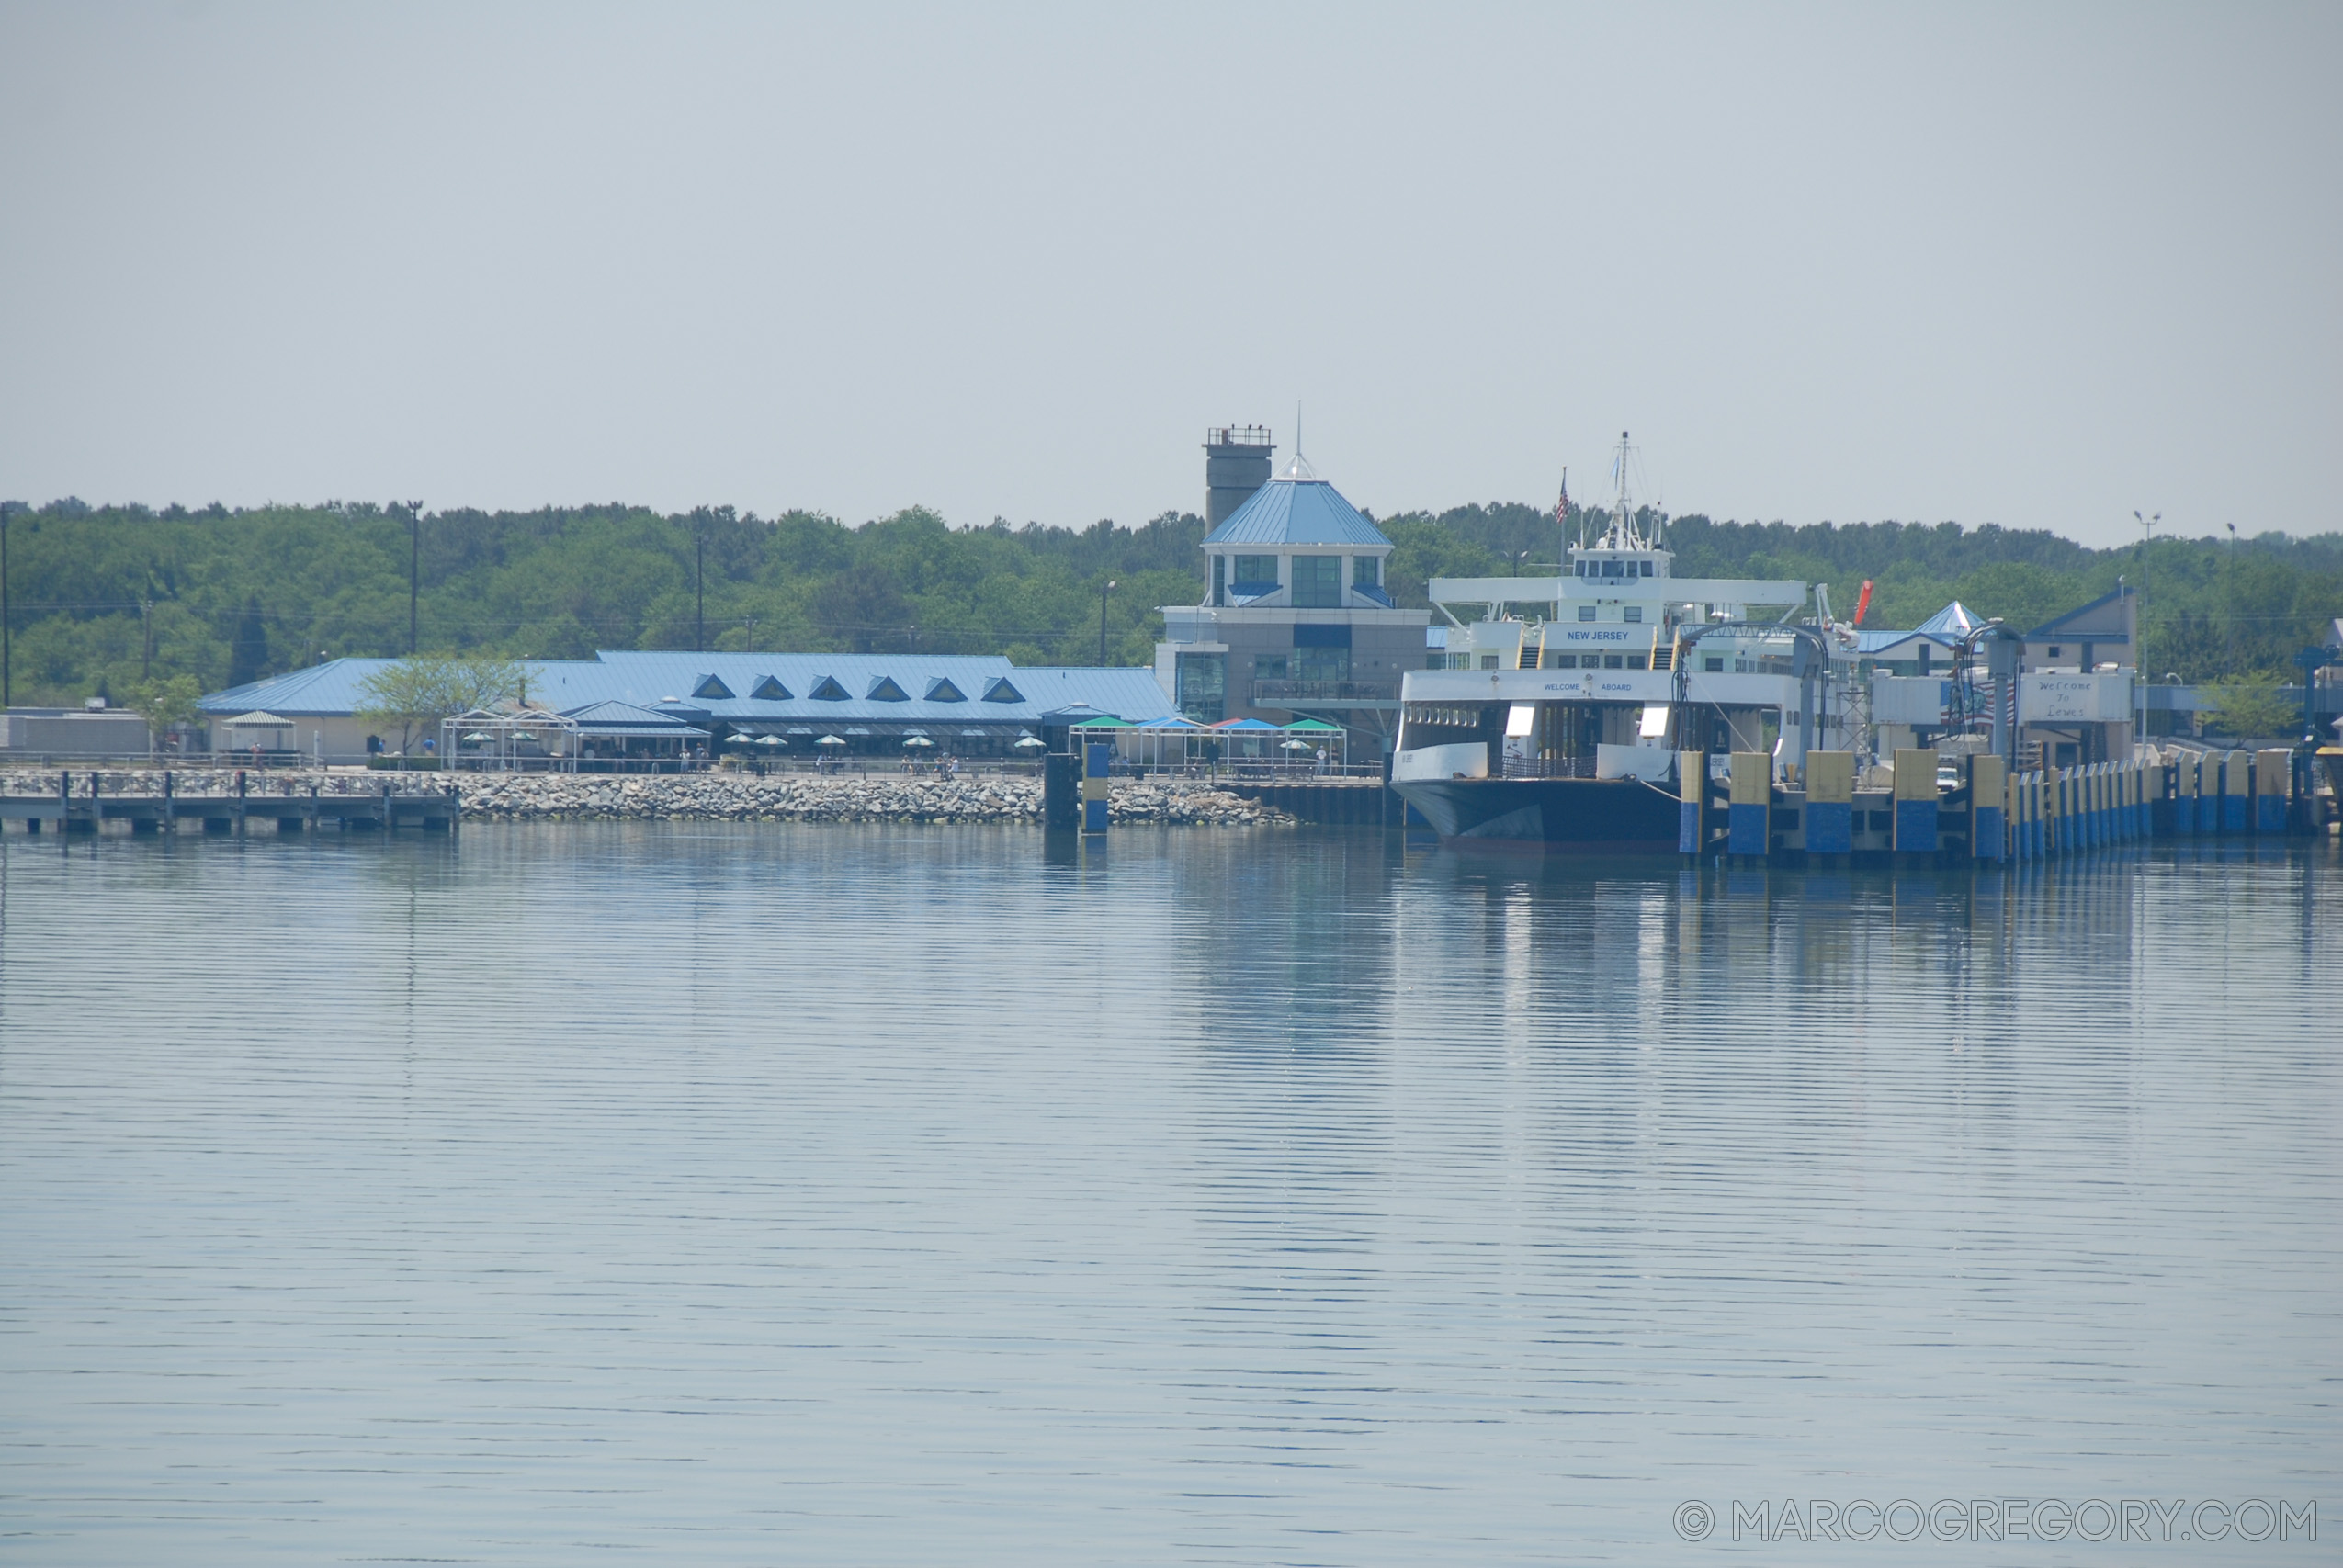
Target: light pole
[
  {"x": 414, "y": 573},
  {"x": 1102, "y": 621},
  {"x": 7, "y": 685},
  {"x": 699, "y": 590},
  {"x": 2139, "y": 621}
]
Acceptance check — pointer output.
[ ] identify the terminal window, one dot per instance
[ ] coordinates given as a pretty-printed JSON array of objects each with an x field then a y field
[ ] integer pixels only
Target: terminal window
[
  {"x": 1586, "y": 612},
  {"x": 1203, "y": 683},
  {"x": 1318, "y": 582}
]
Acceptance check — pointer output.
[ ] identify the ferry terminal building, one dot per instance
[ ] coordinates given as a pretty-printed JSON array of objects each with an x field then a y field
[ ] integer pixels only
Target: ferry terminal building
[{"x": 869, "y": 704}]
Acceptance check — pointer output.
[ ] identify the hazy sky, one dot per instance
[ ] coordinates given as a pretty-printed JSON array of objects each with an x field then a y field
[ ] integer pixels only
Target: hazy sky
[{"x": 2032, "y": 264}]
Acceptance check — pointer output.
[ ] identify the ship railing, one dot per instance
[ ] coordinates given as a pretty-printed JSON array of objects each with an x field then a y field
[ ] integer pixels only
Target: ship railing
[
  {"x": 1278, "y": 693},
  {"x": 1549, "y": 767}
]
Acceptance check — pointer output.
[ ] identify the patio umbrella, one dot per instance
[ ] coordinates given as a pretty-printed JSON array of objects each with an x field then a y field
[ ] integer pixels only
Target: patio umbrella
[
  {"x": 476, "y": 737},
  {"x": 1296, "y": 745},
  {"x": 1027, "y": 741},
  {"x": 830, "y": 740},
  {"x": 917, "y": 740},
  {"x": 770, "y": 740}
]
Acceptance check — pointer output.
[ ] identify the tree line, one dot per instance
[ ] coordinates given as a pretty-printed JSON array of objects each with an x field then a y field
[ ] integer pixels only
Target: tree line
[{"x": 115, "y": 600}]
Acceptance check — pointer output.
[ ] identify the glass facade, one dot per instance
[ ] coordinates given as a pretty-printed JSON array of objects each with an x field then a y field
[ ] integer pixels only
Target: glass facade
[
  {"x": 1256, "y": 574},
  {"x": 1321, "y": 664},
  {"x": 1203, "y": 683},
  {"x": 1318, "y": 582}
]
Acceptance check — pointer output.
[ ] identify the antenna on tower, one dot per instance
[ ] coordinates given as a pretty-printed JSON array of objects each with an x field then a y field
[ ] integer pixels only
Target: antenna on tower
[{"x": 1299, "y": 469}]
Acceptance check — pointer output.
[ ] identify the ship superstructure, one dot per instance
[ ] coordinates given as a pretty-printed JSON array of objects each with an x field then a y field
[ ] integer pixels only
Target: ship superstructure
[{"x": 1566, "y": 700}]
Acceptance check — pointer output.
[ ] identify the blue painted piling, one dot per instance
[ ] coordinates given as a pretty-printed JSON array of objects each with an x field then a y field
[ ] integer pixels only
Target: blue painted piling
[
  {"x": 1748, "y": 825},
  {"x": 1096, "y": 755},
  {"x": 1916, "y": 802},
  {"x": 1830, "y": 803},
  {"x": 1692, "y": 794},
  {"x": 2273, "y": 771},
  {"x": 1988, "y": 795}
]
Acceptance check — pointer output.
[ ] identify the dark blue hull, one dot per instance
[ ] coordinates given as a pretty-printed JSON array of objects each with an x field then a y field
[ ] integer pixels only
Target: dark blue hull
[{"x": 1548, "y": 816}]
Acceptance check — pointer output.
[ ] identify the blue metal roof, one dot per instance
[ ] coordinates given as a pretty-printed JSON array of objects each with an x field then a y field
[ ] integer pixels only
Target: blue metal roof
[
  {"x": 1954, "y": 618},
  {"x": 2062, "y": 626},
  {"x": 615, "y": 718},
  {"x": 1298, "y": 512},
  {"x": 646, "y": 680},
  {"x": 1871, "y": 642}
]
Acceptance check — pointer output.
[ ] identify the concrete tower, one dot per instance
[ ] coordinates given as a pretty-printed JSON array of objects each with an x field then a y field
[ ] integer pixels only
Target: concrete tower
[{"x": 1236, "y": 464}]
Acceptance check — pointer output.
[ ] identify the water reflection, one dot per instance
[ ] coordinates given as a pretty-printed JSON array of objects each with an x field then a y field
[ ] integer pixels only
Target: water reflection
[{"x": 888, "y": 1195}]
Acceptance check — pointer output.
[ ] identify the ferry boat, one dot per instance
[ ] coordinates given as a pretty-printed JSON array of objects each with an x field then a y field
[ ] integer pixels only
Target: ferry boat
[{"x": 1558, "y": 722}]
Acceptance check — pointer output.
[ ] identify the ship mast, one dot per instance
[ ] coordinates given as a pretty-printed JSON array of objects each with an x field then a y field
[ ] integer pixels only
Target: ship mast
[{"x": 1622, "y": 535}]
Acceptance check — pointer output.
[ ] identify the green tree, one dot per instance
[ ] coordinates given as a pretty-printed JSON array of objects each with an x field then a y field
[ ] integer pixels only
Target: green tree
[
  {"x": 2252, "y": 707},
  {"x": 166, "y": 701},
  {"x": 418, "y": 691}
]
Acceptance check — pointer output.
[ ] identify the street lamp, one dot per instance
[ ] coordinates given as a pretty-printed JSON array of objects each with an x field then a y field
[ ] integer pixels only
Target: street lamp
[
  {"x": 1102, "y": 621},
  {"x": 414, "y": 571},
  {"x": 699, "y": 589},
  {"x": 2139, "y": 620},
  {"x": 7, "y": 647}
]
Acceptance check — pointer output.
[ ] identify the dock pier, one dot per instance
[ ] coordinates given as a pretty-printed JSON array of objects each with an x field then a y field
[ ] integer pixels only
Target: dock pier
[
  {"x": 1984, "y": 811},
  {"x": 80, "y": 803}
]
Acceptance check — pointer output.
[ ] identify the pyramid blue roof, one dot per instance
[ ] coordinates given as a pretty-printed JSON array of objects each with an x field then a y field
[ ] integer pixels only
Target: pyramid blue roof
[
  {"x": 1955, "y": 618},
  {"x": 615, "y": 717},
  {"x": 1294, "y": 510}
]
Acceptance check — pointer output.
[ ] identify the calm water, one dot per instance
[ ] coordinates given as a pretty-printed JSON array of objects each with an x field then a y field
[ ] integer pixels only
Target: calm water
[{"x": 836, "y": 1195}]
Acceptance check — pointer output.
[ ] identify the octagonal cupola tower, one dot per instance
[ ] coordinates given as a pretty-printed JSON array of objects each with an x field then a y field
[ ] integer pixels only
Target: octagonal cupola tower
[
  {"x": 1296, "y": 624},
  {"x": 1296, "y": 544}
]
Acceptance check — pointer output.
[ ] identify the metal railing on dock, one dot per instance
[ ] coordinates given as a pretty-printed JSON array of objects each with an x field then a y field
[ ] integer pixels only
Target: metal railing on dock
[{"x": 223, "y": 802}]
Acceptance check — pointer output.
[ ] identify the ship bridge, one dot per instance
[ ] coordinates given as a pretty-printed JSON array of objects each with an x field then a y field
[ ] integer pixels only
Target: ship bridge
[{"x": 1601, "y": 561}]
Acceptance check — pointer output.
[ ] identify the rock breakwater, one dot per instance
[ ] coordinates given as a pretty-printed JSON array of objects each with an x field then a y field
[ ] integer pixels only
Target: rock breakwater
[
  {"x": 521, "y": 797},
  {"x": 710, "y": 797}
]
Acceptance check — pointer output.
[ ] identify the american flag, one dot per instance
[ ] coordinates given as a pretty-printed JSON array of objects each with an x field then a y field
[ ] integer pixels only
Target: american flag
[{"x": 1562, "y": 507}]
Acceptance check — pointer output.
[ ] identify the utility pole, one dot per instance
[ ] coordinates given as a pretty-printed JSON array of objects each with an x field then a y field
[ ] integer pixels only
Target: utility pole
[
  {"x": 146, "y": 639},
  {"x": 1102, "y": 621},
  {"x": 7, "y": 621},
  {"x": 414, "y": 573},
  {"x": 2139, "y": 619},
  {"x": 699, "y": 589}
]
